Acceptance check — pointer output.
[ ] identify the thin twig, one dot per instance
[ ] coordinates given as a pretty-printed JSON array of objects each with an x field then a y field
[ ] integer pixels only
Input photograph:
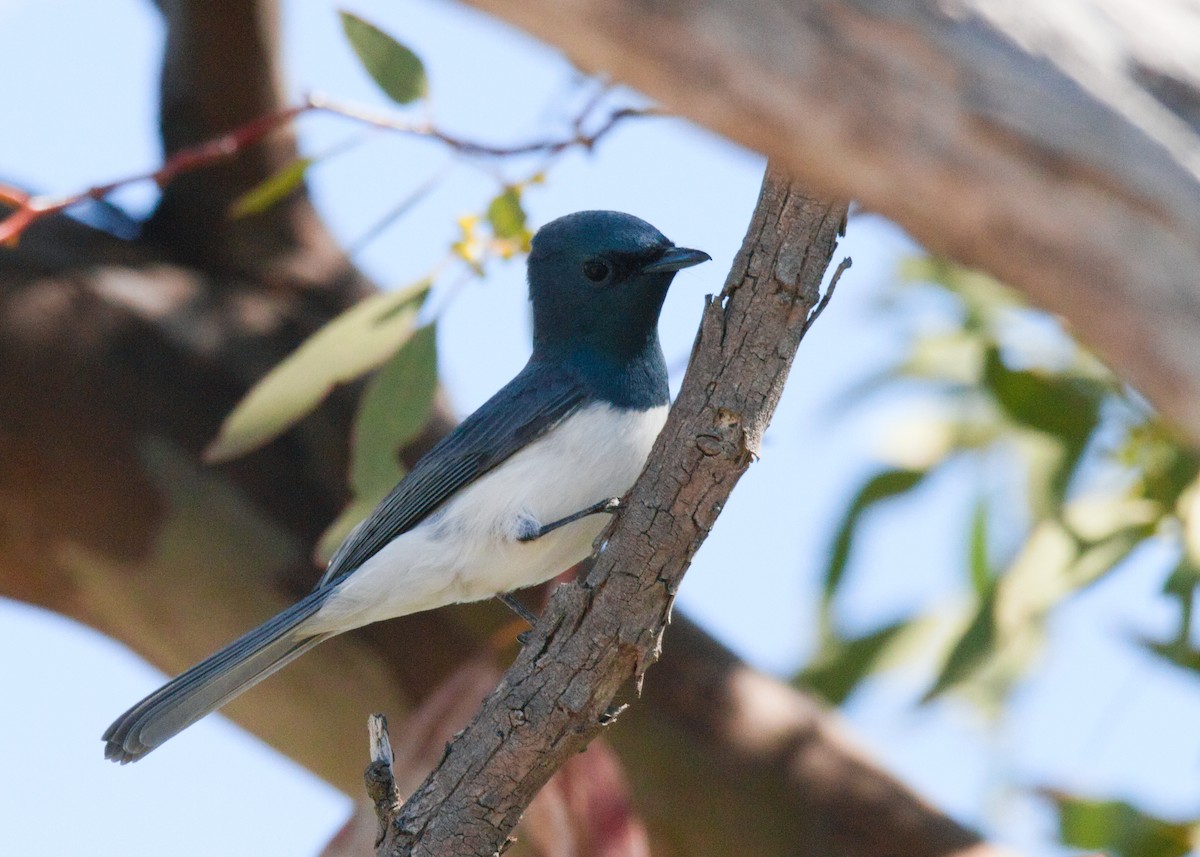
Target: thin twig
[
  {"x": 398, "y": 211},
  {"x": 29, "y": 208},
  {"x": 381, "y": 781},
  {"x": 843, "y": 266}
]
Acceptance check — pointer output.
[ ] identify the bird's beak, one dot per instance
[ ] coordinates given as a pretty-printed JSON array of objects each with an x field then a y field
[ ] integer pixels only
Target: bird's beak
[{"x": 676, "y": 259}]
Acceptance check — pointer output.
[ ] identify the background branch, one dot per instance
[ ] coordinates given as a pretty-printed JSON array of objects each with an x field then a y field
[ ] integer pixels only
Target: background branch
[
  {"x": 236, "y": 142},
  {"x": 1055, "y": 146}
]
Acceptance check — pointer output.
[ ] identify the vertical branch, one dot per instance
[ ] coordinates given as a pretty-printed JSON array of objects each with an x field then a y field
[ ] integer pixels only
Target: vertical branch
[{"x": 221, "y": 70}]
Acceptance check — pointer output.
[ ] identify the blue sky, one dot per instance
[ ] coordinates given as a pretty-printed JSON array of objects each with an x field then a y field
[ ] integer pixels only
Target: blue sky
[{"x": 77, "y": 81}]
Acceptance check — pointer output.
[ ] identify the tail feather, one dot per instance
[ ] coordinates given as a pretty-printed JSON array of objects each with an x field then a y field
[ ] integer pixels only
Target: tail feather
[{"x": 213, "y": 682}]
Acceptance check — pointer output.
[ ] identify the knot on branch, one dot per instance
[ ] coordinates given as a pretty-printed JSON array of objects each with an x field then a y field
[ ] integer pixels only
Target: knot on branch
[{"x": 728, "y": 439}]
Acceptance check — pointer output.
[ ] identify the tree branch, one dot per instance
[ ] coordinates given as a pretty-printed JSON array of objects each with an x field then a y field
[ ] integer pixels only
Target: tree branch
[
  {"x": 594, "y": 636},
  {"x": 1056, "y": 146},
  {"x": 29, "y": 209}
]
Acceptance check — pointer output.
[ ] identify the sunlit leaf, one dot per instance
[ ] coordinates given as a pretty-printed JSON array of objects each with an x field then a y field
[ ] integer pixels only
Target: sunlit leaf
[
  {"x": 506, "y": 215},
  {"x": 843, "y": 663},
  {"x": 920, "y": 440},
  {"x": 1097, "y": 559},
  {"x": 271, "y": 190},
  {"x": 1120, "y": 829},
  {"x": 394, "y": 408},
  {"x": 356, "y": 341},
  {"x": 1188, "y": 510},
  {"x": 953, "y": 356},
  {"x": 882, "y": 486},
  {"x": 469, "y": 247},
  {"x": 1098, "y": 515},
  {"x": 397, "y": 70}
]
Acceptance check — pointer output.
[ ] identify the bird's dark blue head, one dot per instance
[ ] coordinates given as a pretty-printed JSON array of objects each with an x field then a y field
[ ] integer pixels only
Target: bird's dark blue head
[{"x": 597, "y": 280}]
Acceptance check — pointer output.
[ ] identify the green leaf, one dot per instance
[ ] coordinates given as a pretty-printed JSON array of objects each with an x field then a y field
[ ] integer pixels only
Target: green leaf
[
  {"x": 1064, "y": 406},
  {"x": 506, "y": 215},
  {"x": 843, "y": 663},
  {"x": 977, "y": 642},
  {"x": 1120, "y": 829},
  {"x": 882, "y": 486},
  {"x": 356, "y": 341},
  {"x": 271, "y": 190},
  {"x": 1178, "y": 652},
  {"x": 393, "y": 410},
  {"x": 398, "y": 71},
  {"x": 977, "y": 552}
]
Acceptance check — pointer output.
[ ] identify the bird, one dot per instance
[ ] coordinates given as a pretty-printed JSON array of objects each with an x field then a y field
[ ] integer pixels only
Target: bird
[{"x": 513, "y": 496}]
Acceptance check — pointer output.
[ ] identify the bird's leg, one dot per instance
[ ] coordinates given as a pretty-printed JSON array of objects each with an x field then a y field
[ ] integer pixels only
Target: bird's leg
[
  {"x": 517, "y": 607},
  {"x": 608, "y": 506}
]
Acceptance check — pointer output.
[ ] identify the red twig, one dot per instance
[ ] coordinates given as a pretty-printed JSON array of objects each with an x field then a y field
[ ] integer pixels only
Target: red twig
[{"x": 29, "y": 208}]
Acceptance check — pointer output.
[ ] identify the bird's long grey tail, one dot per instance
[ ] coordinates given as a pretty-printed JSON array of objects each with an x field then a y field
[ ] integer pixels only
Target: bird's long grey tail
[{"x": 213, "y": 682}]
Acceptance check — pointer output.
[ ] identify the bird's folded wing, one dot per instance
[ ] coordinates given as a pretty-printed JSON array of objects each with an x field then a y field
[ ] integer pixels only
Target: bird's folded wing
[{"x": 527, "y": 407}]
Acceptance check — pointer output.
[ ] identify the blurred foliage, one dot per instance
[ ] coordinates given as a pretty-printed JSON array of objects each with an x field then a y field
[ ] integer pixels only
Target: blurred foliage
[
  {"x": 1121, "y": 830},
  {"x": 392, "y": 411},
  {"x": 397, "y": 70},
  {"x": 358, "y": 340},
  {"x": 1059, "y": 444},
  {"x": 272, "y": 190}
]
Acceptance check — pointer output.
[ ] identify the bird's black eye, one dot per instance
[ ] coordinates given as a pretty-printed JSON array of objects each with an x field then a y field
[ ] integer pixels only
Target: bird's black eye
[{"x": 595, "y": 270}]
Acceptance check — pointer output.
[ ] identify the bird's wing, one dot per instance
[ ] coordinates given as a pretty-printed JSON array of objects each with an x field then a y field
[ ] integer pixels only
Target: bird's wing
[{"x": 524, "y": 409}]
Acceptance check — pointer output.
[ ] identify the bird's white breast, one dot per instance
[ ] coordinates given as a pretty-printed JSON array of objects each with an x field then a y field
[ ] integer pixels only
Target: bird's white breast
[{"x": 468, "y": 549}]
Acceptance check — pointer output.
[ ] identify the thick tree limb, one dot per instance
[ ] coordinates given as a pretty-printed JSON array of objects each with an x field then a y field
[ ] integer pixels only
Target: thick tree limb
[
  {"x": 595, "y": 636},
  {"x": 221, "y": 70},
  {"x": 1055, "y": 145},
  {"x": 825, "y": 799}
]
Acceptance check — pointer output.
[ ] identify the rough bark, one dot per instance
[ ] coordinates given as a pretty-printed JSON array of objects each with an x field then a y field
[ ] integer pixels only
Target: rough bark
[
  {"x": 597, "y": 635},
  {"x": 1055, "y": 145},
  {"x": 119, "y": 360}
]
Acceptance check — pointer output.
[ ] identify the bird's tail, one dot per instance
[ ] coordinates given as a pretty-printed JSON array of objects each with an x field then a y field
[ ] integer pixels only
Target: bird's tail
[{"x": 213, "y": 682}]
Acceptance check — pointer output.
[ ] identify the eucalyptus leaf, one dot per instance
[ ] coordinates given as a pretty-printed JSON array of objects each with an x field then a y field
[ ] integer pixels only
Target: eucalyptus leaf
[
  {"x": 394, "y": 408},
  {"x": 506, "y": 215},
  {"x": 355, "y": 342},
  {"x": 1120, "y": 829},
  {"x": 1064, "y": 406},
  {"x": 842, "y": 663},
  {"x": 882, "y": 486},
  {"x": 1179, "y": 653},
  {"x": 972, "y": 649},
  {"x": 271, "y": 190},
  {"x": 397, "y": 70},
  {"x": 977, "y": 552}
]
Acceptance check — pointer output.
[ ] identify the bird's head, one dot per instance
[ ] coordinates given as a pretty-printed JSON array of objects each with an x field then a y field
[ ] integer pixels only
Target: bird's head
[{"x": 597, "y": 280}]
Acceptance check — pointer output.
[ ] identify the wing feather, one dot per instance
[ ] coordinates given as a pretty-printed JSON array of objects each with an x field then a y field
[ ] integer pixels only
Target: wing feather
[{"x": 536, "y": 400}]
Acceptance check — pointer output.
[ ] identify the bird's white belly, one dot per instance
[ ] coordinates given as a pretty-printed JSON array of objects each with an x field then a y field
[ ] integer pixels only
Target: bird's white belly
[{"x": 468, "y": 549}]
